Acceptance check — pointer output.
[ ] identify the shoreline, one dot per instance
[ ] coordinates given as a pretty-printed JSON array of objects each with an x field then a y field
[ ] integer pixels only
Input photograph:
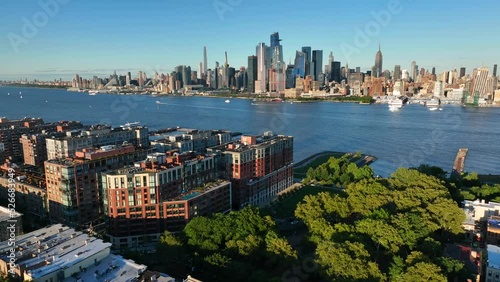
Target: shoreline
[
  {"x": 247, "y": 96},
  {"x": 304, "y": 162}
]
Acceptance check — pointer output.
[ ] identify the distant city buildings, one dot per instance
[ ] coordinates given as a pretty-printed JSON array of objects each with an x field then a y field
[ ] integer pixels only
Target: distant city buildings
[{"x": 267, "y": 73}]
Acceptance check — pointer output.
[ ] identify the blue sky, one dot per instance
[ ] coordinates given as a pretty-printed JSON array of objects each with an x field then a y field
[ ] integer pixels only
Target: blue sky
[{"x": 97, "y": 36}]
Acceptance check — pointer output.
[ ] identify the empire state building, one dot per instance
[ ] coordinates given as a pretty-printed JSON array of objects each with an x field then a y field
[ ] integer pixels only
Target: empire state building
[{"x": 378, "y": 63}]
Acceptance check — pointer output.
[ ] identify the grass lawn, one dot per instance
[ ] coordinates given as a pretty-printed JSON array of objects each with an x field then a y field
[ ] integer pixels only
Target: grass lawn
[{"x": 286, "y": 208}]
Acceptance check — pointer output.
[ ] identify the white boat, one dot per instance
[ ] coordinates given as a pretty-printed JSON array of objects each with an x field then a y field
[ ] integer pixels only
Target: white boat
[
  {"x": 434, "y": 104},
  {"x": 129, "y": 124},
  {"x": 227, "y": 101},
  {"x": 395, "y": 104},
  {"x": 158, "y": 102},
  {"x": 93, "y": 92}
]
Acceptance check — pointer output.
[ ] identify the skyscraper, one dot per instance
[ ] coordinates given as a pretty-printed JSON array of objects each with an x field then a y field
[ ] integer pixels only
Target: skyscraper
[
  {"x": 413, "y": 70},
  {"x": 378, "y": 63},
  {"x": 260, "y": 84},
  {"x": 336, "y": 72},
  {"x": 308, "y": 51},
  {"x": 205, "y": 60},
  {"x": 317, "y": 60},
  {"x": 462, "y": 72},
  {"x": 275, "y": 44},
  {"x": 200, "y": 71},
  {"x": 300, "y": 64},
  {"x": 480, "y": 82},
  {"x": 397, "y": 73},
  {"x": 252, "y": 73},
  {"x": 495, "y": 70}
]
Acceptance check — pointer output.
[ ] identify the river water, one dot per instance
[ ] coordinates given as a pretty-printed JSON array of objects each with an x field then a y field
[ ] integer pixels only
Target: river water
[{"x": 409, "y": 137}]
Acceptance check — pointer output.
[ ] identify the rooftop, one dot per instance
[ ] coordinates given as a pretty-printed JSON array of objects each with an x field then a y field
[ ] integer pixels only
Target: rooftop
[
  {"x": 239, "y": 146},
  {"x": 112, "y": 268},
  {"x": 6, "y": 214},
  {"x": 480, "y": 203},
  {"x": 191, "y": 194},
  {"x": 493, "y": 256},
  {"x": 57, "y": 247}
]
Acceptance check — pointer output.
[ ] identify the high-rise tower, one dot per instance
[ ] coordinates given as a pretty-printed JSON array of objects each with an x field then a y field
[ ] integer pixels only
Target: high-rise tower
[
  {"x": 275, "y": 44},
  {"x": 378, "y": 63},
  {"x": 317, "y": 61},
  {"x": 205, "y": 60}
]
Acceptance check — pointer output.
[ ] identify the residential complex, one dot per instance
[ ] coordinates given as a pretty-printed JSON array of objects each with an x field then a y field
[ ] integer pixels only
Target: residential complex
[
  {"x": 161, "y": 193},
  {"x": 98, "y": 135},
  {"x": 73, "y": 184},
  {"x": 259, "y": 167}
]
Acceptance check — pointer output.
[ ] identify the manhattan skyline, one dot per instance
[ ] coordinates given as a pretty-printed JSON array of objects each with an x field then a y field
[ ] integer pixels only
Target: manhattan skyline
[{"x": 96, "y": 38}]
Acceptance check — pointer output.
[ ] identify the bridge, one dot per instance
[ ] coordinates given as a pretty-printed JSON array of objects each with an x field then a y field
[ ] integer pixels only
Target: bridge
[{"x": 458, "y": 165}]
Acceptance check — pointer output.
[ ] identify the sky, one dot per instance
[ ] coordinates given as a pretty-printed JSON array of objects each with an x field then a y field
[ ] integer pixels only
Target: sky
[{"x": 52, "y": 39}]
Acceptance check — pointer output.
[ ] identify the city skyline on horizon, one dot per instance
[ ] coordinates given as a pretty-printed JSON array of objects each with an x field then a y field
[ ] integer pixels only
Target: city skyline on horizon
[{"x": 64, "y": 47}]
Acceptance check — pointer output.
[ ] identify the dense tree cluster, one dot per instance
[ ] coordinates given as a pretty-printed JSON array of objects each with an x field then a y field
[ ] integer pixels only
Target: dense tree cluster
[
  {"x": 338, "y": 171},
  {"x": 385, "y": 229},
  {"x": 241, "y": 244}
]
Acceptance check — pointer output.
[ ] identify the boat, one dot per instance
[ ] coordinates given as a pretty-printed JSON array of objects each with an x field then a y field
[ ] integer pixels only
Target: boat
[
  {"x": 395, "y": 104},
  {"x": 158, "y": 102},
  {"x": 227, "y": 101},
  {"x": 129, "y": 124},
  {"x": 434, "y": 104},
  {"x": 93, "y": 92}
]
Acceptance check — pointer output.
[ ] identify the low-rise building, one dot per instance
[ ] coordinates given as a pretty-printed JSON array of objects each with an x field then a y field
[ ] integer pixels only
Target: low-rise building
[
  {"x": 11, "y": 223},
  {"x": 492, "y": 273},
  {"x": 30, "y": 199},
  {"x": 480, "y": 210},
  {"x": 493, "y": 230},
  {"x": 58, "y": 253}
]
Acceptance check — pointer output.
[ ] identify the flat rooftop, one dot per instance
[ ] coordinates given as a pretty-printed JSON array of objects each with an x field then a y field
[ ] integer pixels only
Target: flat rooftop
[
  {"x": 5, "y": 214},
  {"x": 200, "y": 191},
  {"x": 493, "y": 256},
  {"x": 112, "y": 268},
  {"x": 57, "y": 247}
]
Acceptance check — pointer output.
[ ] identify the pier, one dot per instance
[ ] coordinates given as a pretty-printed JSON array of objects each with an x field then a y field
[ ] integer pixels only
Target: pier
[{"x": 458, "y": 165}]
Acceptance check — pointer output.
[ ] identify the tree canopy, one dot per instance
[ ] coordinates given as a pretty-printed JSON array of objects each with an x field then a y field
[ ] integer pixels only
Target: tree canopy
[{"x": 379, "y": 221}]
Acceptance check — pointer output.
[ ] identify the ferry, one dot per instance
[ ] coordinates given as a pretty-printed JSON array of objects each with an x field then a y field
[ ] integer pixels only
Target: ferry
[
  {"x": 93, "y": 92},
  {"x": 434, "y": 104},
  {"x": 395, "y": 104}
]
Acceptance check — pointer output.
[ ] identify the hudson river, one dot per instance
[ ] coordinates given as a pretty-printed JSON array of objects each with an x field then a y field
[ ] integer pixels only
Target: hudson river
[{"x": 409, "y": 137}]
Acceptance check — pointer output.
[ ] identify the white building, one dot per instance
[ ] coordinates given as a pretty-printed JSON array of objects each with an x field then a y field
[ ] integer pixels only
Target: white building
[
  {"x": 492, "y": 264},
  {"x": 478, "y": 210},
  {"x": 58, "y": 253},
  {"x": 439, "y": 89},
  {"x": 260, "y": 83}
]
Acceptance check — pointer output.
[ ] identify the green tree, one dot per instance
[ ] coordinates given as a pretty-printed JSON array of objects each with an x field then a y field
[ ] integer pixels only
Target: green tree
[
  {"x": 423, "y": 271},
  {"x": 348, "y": 261}
]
